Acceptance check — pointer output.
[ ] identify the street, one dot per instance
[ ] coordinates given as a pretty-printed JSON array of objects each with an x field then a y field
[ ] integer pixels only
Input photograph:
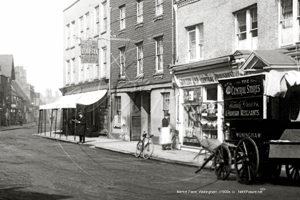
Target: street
[{"x": 37, "y": 168}]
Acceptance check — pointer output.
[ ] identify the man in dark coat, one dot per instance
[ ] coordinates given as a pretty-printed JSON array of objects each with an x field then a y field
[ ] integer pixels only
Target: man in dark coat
[{"x": 80, "y": 127}]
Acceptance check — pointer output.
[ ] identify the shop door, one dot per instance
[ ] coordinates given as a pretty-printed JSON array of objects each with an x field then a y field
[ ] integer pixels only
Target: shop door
[{"x": 135, "y": 116}]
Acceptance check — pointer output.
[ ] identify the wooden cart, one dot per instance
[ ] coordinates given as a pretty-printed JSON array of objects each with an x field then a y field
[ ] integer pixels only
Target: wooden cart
[{"x": 255, "y": 123}]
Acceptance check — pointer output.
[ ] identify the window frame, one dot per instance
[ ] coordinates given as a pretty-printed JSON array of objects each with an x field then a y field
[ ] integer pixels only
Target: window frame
[
  {"x": 97, "y": 20},
  {"x": 104, "y": 61},
  {"x": 73, "y": 40},
  {"x": 159, "y": 56},
  {"x": 246, "y": 39},
  {"x": 87, "y": 24},
  {"x": 68, "y": 35},
  {"x": 122, "y": 17},
  {"x": 199, "y": 42},
  {"x": 122, "y": 62},
  {"x": 139, "y": 11},
  {"x": 140, "y": 58},
  {"x": 118, "y": 110},
  {"x": 159, "y": 9}
]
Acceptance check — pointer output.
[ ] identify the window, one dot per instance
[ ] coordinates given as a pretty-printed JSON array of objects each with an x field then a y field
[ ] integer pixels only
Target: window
[
  {"x": 104, "y": 17},
  {"x": 104, "y": 61},
  {"x": 73, "y": 33},
  {"x": 68, "y": 72},
  {"x": 210, "y": 92},
  {"x": 140, "y": 59},
  {"x": 118, "y": 110},
  {"x": 97, "y": 25},
  {"x": 139, "y": 11},
  {"x": 81, "y": 70},
  {"x": 122, "y": 17},
  {"x": 87, "y": 24},
  {"x": 122, "y": 62},
  {"x": 246, "y": 29},
  {"x": 166, "y": 103},
  {"x": 159, "y": 53},
  {"x": 195, "y": 42},
  {"x": 289, "y": 22},
  {"x": 87, "y": 72},
  {"x": 68, "y": 35},
  {"x": 81, "y": 28},
  {"x": 72, "y": 70},
  {"x": 159, "y": 7}
]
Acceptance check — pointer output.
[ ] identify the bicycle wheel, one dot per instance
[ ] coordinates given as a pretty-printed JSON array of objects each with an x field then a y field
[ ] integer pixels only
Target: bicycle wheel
[
  {"x": 138, "y": 150},
  {"x": 148, "y": 150}
]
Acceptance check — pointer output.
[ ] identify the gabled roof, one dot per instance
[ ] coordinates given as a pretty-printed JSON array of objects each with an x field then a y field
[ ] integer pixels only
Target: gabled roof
[
  {"x": 268, "y": 59},
  {"x": 17, "y": 89},
  {"x": 7, "y": 66}
]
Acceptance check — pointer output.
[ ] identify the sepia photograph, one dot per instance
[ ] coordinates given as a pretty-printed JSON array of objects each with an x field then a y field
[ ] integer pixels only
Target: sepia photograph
[{"x": 149, "y": 99}]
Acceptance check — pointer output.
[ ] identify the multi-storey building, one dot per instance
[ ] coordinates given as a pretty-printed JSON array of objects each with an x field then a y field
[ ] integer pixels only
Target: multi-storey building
[
  {"x": 86, "y": 57},
  {"x": 219, "y": 39},
  {"x": 141, "y": 84}
]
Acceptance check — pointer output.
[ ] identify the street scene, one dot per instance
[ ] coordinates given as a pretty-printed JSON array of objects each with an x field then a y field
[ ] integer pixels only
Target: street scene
[{"x": 150, "y": 99}]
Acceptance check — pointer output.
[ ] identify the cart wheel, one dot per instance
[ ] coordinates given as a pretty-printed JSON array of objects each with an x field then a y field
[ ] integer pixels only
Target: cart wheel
[
  {"x": 293, "y": 171},
  {"x": 222, "y": 162},
  {"x": 246, "y": 160}
]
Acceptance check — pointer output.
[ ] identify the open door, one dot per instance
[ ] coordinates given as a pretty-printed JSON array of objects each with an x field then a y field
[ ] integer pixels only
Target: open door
[{"x": 135, "y": 116}]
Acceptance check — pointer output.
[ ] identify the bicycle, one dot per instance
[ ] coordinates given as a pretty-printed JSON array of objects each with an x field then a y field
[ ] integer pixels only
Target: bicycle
[{"x": 145, "y": 146}]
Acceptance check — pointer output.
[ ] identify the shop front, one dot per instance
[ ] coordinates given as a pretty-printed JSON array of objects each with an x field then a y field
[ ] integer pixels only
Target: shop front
[{"x": 201, "y": 104}]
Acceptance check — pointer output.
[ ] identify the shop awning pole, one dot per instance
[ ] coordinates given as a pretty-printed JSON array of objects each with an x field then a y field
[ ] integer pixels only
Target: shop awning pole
[
  {"x": 61, "y": 122},
  {"x": 45, "y": 120},
  {"x": 39, "y": 122},
  {"x": 51, "y": 121},
  {"x": 75, "y": 125},
  {"x": 55, "y": 123},
  {"x": 67, "y": 124}
]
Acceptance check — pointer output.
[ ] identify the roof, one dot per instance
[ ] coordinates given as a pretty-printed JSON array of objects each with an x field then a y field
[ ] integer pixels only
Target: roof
[
  {"x": 7, "y": 66},
  {"x": 273, "y": 57},
  {"x": 19, "y": 91}
]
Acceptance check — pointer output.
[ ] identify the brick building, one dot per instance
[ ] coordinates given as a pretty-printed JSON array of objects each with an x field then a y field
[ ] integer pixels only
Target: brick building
[
  {"x": 141, "y": 84},
  {"x": 219, "y": 39}
]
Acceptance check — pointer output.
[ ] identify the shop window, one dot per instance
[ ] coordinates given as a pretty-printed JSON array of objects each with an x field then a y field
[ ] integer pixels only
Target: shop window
[
  {"x": 118, "y": 112},
  {"x": 211, "y": 92},
  {"x": 246, "y": 29},
  {"x": 166, "y": 103}
]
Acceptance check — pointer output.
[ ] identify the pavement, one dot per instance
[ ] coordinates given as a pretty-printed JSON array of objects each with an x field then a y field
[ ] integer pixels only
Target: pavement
[{"x": 183, "y": 156}]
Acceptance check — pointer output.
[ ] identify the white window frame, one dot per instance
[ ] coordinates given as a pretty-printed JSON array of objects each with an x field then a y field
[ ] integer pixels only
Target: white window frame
[
  {"x": 97, "y": 20},
  {"x": 291, "y": 34},
  {"x": 81, "y": 28},
  {"x": 104, "y": 16},
  {"x": 122, "y": 62},
  {"x": 139, "y": 11},
  {"x": 72, "y": 70},
  {"x": 140, "y": 58},
  {"x": 81, "y": 70},
  {"x": 122, "y": 17},
  {"x": 250, "y": 34},
  {"x": 87, "y": 24},
  {"x": 159, "y": 54},
  {"x": 73, "y": 34},
  {"x": 159, "y": 7},
  {"x": 199, "y": 42},
  {"x": 68, "y": 35},
  {"x": 68, "y": 71}
]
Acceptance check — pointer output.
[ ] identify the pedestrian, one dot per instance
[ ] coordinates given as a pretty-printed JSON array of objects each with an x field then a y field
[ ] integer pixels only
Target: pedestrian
[
  {"x": 20, "y": 120},
  {"x": 80, "y": 127},
  {"x": 165, "y": 132}
]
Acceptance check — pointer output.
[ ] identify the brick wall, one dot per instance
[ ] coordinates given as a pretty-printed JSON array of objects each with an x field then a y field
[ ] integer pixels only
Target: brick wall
[{"x": 145, "y": 32}]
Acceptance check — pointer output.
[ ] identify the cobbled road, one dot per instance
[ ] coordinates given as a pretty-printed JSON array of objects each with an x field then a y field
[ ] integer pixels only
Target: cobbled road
[{"x": 37, "y": 168}]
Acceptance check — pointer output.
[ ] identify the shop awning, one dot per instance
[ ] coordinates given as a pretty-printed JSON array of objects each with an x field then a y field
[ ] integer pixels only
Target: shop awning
[{"x": 70, "y": 101}]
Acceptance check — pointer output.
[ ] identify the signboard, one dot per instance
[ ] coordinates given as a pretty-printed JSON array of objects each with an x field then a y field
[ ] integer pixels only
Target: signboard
[
  {"x": 206, "y": 78},
  {"x": 192, "y": 96},
  {"x": 243, "y": 97},
  {"x": 89, "y": 51}
]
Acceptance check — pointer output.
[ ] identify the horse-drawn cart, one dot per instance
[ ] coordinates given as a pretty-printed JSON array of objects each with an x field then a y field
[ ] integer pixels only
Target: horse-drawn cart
[{"x": 262, "y": 127}]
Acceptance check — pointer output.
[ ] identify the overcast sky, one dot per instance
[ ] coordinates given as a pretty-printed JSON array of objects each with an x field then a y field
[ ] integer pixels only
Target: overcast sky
[{"x": 32, "y": 30}]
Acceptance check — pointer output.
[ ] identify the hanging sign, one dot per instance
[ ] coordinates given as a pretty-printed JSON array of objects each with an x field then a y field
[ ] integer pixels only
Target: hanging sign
[{"x": 89, "y": 51}]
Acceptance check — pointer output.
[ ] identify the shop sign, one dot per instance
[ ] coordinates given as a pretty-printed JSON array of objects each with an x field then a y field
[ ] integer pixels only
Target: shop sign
[
  {"x": 249, "y": 86},
  {"x": 251, "y": 135},
  {"x": 244, "y": 108},
  {"x": 206, "y": 78},
  {"x": 89, "y": 51},
  {"x": 192, "y": 96}
]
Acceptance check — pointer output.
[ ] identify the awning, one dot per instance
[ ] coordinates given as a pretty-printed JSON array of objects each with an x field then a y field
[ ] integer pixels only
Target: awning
[{"x": 70, "y": 101}]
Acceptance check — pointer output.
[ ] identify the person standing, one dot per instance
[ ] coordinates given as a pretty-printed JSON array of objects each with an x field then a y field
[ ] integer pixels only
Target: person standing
[
  {"x": 165, "y": 132},
  {"x": 20, "y": 119},
  {"x": 80, "y": 127}
]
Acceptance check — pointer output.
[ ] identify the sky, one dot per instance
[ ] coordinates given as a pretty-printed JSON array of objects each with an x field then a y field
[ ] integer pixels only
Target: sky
[{"x": 32, "y": 30}]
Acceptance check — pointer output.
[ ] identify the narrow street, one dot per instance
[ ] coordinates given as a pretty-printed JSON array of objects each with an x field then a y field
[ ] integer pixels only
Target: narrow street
[{"x": 37, "y": 168}]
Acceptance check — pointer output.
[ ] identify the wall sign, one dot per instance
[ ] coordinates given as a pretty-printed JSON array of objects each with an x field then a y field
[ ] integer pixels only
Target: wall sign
[
  {"x": 89, "y": 51},
  {"x": 206, "y": 78},
  {"x": 192, "y": 96}
]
